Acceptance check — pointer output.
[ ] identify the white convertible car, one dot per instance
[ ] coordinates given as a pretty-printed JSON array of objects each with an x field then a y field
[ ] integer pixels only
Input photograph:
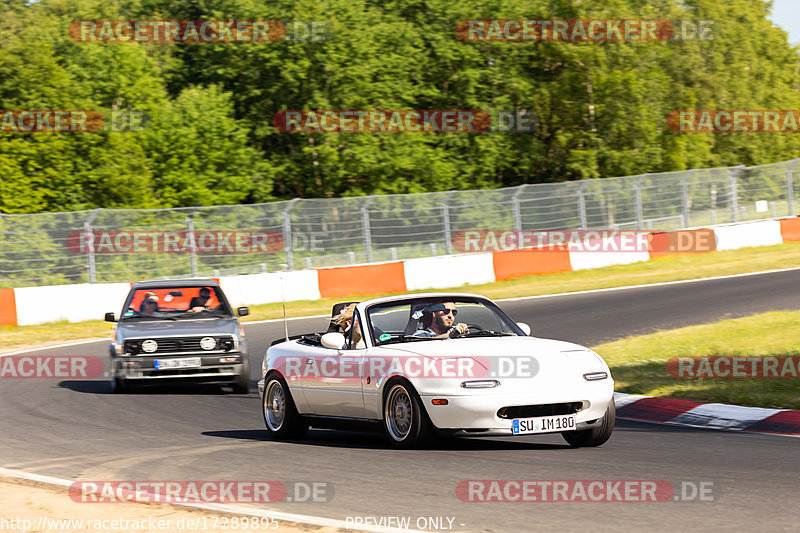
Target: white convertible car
[{"x": 423, "y": 364}]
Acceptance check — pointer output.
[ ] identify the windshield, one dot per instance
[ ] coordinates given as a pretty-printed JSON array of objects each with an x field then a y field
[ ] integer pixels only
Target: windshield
[
  {"x": 175, "y": 303},
  {"x": 427, "y": 319}
]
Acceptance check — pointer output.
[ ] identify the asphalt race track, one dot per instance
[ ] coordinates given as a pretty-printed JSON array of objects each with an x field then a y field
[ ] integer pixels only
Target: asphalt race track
[{"x": 79, "y": 430}]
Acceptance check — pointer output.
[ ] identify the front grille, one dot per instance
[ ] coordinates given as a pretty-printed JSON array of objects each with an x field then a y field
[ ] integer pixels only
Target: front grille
[
  {"x": 191, "y": 371},
  {"x": 545, "y": 409},
  {"x": 178, "y": 345}
]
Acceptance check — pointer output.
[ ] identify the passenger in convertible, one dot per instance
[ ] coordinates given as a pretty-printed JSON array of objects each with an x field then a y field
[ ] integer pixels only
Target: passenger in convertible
[
  {"x": 438, "y": 322},
  {"x": 345, "y": 322}
]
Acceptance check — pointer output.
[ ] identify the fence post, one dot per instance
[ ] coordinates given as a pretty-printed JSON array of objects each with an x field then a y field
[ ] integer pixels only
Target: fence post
[
  {"x": 735, "y": 192},
  {"x": 193, "y": 246},
  {"x": 87, "y": 228},
  {"x": 516, "y": 209},
  {"x": 582, "y": 203},
  {"x": 638, "y": 195},
  {"x": 448, "y": 232},
  {"x": 287, "y": 233},
  {"x": 685, "y": 197},
  {"x": 367, "y": 230},
  {"x": 790, "y": 186}
]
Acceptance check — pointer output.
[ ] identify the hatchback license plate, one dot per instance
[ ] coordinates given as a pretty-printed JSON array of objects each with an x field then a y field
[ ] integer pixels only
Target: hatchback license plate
[
  {"x": 543, "y": 424},
  {"x": 189, "y": 362}
]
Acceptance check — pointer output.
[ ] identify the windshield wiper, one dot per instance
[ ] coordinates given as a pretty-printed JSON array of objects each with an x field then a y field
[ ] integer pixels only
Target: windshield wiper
[
  {"x": 148, "y": 317},
  {"x": 486, "y": 333},
  {"x": 202, "y": 314}
]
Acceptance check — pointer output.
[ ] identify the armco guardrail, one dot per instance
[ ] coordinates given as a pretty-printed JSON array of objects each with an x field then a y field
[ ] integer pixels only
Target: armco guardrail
[
  {"x": 106, "y": 245},
  {"x": 38, "y": 305}
]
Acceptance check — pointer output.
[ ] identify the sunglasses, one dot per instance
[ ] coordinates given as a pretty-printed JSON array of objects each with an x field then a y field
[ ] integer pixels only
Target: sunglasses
[{"x": 446, "y": 312}]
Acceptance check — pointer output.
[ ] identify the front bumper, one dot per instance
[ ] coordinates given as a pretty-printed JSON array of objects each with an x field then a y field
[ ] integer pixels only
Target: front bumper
[
  {"x": 478, "y": 413},
  {"x": 218, "y": 367}
]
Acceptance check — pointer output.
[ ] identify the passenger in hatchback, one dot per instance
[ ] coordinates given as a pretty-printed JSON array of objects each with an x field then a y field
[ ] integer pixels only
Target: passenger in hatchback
[{"x": 149, "y": 306}]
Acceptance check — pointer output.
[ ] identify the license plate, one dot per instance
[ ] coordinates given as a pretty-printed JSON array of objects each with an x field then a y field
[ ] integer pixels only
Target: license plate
[
  {"x": 189, "y": 362},
  {"x": 543, "y": 424}
]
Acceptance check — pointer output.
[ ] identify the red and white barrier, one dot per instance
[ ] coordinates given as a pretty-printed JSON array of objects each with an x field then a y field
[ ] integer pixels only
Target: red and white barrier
[
  {"x": 735, "y": 236},
  {"x": 74, "y": 303},
  {"x": 254, "y": 289},
  {"x": 707, "y": 415},
  {"x": 448, "y": 271}
]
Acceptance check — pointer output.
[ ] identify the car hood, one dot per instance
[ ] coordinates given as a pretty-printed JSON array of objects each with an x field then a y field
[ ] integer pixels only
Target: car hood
[
  {"x": 484, "y": 347},
  {"x": 177, "y": 328},
  {"x": 555, "y": 362}
]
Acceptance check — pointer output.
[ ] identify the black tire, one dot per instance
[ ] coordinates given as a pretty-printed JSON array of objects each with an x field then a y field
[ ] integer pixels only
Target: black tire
[
  {"x": 279, "y": 412},
  {"x": 595, "y": 436},
  {"x": 242, "y": 383},
  {"x": 405, "y": 420}
]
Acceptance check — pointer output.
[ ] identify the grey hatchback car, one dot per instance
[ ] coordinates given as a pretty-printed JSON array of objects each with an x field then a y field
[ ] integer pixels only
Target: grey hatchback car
[{"x": 178, "y": 331}]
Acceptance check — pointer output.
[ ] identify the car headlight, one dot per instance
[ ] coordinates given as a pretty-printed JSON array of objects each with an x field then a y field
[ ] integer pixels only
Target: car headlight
[
  {"x": 480, "y": 384},
  {"x": 208, "y": 343}
]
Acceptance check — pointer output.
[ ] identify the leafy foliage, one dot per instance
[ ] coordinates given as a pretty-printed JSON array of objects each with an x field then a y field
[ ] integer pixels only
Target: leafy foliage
[{"x": 600, "y": 108}]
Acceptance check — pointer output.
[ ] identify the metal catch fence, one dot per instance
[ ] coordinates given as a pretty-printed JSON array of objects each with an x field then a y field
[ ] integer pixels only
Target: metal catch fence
[{"x": 106, "y": 245}]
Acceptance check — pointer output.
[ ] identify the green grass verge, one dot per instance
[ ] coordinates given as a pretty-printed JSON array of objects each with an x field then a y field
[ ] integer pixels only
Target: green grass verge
[
  {"x": 638, "y": 363},
  {"x": 672, "y": 268}
]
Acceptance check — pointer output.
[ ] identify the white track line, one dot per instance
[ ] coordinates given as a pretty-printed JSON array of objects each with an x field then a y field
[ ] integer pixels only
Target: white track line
[
  {"x": 76, "y": 343},
  {"x": 232, "y": 509},
  {"x": 281, "y": 320}
]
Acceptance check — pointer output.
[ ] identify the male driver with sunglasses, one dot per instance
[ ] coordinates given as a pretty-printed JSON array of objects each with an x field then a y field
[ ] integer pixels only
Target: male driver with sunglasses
[{"x": 438, "y": 322}]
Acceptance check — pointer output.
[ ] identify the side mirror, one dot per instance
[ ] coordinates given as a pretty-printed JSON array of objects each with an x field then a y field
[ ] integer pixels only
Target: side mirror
[
  {"x": 243, "y": 311},
  {"x": 334, "y": 340},
  {"x": 526, "y": 329},
  {"x": 110, "y": 317}
]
